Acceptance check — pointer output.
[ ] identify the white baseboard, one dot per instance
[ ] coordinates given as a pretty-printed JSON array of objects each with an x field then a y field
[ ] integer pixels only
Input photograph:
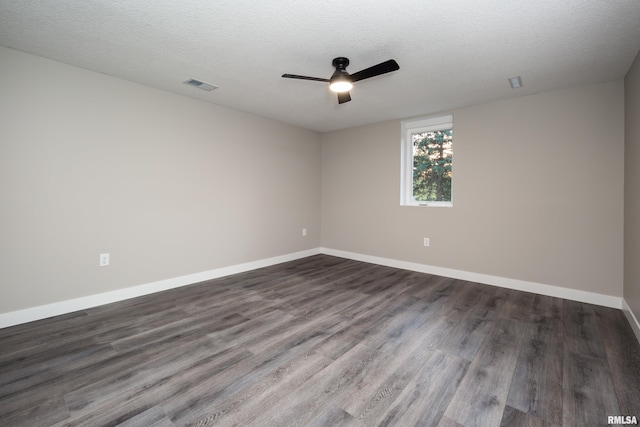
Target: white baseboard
[
  {"x": 520, "y": 285},
  {"x": 69, "y": 306},
  {"x": 633, "y": 320}
]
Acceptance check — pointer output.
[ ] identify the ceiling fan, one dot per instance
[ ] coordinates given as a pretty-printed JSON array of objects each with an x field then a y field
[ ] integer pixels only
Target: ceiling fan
[{"x": 341, "y": 81}]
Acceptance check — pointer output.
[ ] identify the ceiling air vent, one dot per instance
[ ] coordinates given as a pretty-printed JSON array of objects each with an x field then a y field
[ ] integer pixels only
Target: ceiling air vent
[
  {"x": 200, "y": 84},
  {"x": 515, "y": 82}
]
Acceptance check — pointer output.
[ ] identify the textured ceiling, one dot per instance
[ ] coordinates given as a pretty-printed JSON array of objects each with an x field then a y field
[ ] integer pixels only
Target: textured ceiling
[{"x": 451, "y": 53}]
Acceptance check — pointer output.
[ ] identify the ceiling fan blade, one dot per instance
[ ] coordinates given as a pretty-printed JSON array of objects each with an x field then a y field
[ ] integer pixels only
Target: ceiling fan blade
[
  {"x": 294, "y": 76},
  {"x": 343, "y": 97},
  {"x": 376, "y": 70}
]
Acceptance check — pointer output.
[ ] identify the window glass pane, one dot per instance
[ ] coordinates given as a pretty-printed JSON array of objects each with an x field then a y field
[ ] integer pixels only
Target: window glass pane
[{"x": 432, "y": 162}]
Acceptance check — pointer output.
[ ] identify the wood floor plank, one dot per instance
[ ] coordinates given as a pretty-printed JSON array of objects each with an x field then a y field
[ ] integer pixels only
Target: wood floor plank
[
  {"x": 38, "y": 328},
  {"x": 261, "y": 396},
  {"x": 18, "y": 340},
  {"x": 623, "y": 356},
  {"x": 588, "y": 393},
  {"x": 334, "y": 417},
  {"x": 536, "y": 388},
  {"x": 327, "y": 303},
  {"x": 27, "y": 354},
  {"x": 127, "y": 327},
  {"x": 482, "y": 394},
  {"x": 46, "y": 368},
  {"x": 294, "y": 334},
  {"x": 198, "y": 324},
  {"x": 44, "y": 412},
  {"x": 466, "y": 298},
  {"x": 424, "y": 400},
  {"x": 423, "y": 285},
  {"x": 491, "y": 302},
  {"x": 518, "y": 306},
  {"x": 232, "y": 301},
  {"x": 397, "y": 330},
  {"x": 248, "y": 331},
  {"x": 76, "y": 377},
  {"x": 357, "y": 328},
  {"x": 112, "y": 416},
  {"x": 181, "y": 372},
  {"x": 302, "y": 404},
  {"x": 377, "y": 279},
  {"x": 580, "y": 329},
  {"x": 465, "y": 340},
  {"x": 515, "y": 418},
  {"x": 546, "y": 306},
  {"x": 373, "y": 391},
  {"x": 152, "y": 417},
  {"x": 448, "y": 422},
  {"x": 213, "y": 389}
]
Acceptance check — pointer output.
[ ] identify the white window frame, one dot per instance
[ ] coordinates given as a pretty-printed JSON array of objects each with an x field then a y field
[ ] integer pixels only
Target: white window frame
[{"x": 425, "y": 124}]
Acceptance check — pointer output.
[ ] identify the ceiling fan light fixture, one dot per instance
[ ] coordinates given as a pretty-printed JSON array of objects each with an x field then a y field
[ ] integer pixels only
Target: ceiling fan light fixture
[
  {"x": 340, "y": 81},
  {"x": 340, "y": 86}
]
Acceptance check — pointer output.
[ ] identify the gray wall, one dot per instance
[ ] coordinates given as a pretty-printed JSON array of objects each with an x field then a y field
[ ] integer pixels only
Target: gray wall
[
  {"x": 632, "y": 189},
  {"x": 537, "y": 192},
  {"x": 171, "y": 186},
  {"x": 168, "y": 185}
]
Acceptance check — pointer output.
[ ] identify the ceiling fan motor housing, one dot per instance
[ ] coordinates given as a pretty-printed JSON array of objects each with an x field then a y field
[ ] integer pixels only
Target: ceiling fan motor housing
[{"x": 340, "y": 63}]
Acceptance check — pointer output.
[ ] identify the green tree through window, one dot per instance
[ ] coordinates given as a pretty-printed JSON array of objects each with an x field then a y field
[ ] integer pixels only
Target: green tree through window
[
  {"x": 427, "y": 156},
  {"x": 432, "y": 161}
]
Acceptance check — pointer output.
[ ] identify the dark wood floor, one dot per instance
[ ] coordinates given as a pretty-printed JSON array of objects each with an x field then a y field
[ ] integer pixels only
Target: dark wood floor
[{"x": 324, "y": 341}]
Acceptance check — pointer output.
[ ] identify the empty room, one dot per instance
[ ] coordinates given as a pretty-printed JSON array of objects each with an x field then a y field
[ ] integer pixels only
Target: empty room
[{"x": 319, "y": 213}]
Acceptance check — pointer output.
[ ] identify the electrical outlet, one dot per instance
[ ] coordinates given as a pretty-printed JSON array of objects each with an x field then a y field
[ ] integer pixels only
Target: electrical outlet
[
  {"x": 304, "y": 232},
  {"x": 104, "y": 260},
  {"x": 426, "y": 241}
]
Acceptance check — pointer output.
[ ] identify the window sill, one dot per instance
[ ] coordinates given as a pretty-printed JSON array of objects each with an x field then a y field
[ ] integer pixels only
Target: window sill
[{"x": 429, "y": 205}]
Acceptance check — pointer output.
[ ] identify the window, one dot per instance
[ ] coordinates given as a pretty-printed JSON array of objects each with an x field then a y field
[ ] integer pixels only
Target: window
[{"x": 427, "y": 160}]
